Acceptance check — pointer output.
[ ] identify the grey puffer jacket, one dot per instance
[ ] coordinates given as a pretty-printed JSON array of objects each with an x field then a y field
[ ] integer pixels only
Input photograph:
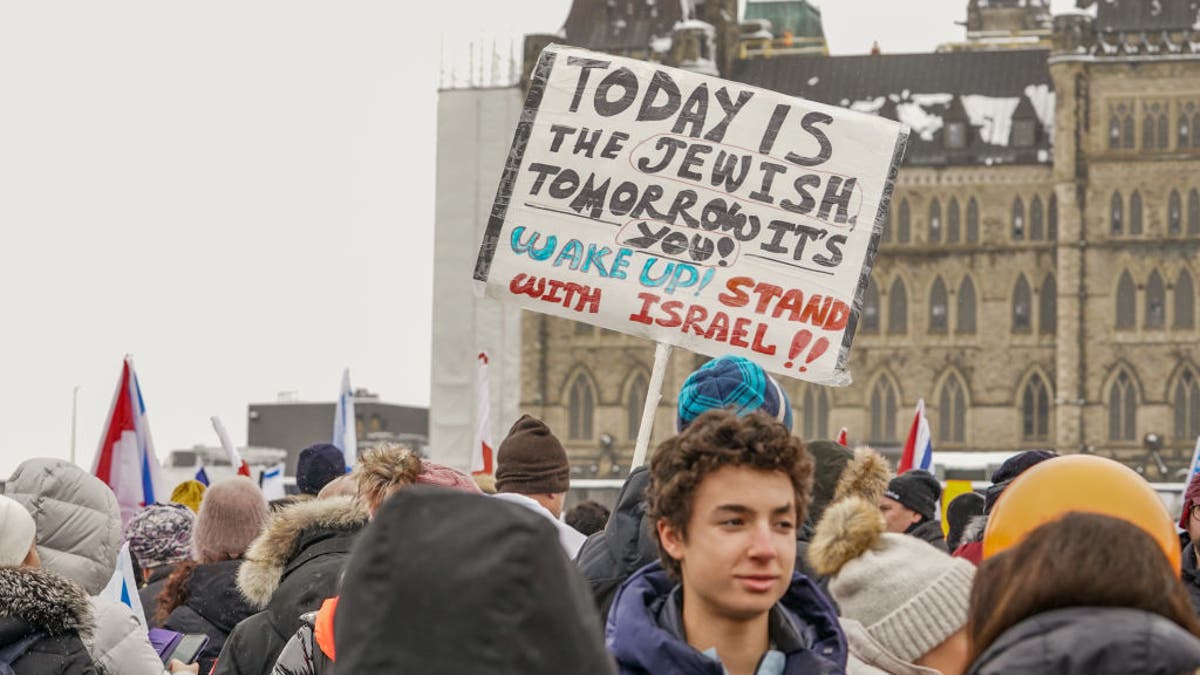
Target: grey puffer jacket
[
  {"x": 1091, "y": 641},
  {"x": 79, "y": 537}
]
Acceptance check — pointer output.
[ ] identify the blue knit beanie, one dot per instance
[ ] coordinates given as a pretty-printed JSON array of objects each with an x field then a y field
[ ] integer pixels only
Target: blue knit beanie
[{"x": 732, "y": 383}]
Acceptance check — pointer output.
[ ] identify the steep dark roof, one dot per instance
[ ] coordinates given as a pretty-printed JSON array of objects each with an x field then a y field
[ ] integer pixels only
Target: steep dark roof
[
  {"x": 602, "y": 25},
  {"x": 927, "y": 87},
  {"x": 1144, "y": 15}
]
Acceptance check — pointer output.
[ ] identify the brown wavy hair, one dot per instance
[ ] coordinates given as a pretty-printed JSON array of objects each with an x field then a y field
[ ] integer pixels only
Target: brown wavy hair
[
  {"x": 383, "y": 470},
  {"x": 1079, "y": 560},
  {"x": 175, "y": 592},
  {"x": 717, "y": 439}
]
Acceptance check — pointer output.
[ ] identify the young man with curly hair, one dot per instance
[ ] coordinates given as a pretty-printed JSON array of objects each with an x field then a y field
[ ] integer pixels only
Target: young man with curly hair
[{"x": 725, "y": 498}]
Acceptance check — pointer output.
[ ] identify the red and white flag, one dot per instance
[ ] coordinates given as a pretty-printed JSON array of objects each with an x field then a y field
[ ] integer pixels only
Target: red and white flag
[
  {"x": 918, "y": 449},
  {"x": 125, "y": 460},
  {"x": 841, "y": 438},
  {"x": 235, "y": 457},
  {"x": 482, "y": 457}
]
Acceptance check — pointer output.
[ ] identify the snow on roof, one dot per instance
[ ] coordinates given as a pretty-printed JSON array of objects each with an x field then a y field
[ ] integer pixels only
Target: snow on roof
[
  {"x": 923, "y": 123},
  {"x": 992, "y": 116}
]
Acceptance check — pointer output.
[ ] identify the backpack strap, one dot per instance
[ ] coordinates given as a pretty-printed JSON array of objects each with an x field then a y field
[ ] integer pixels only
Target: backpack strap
[{"x": 15, "y": 650}]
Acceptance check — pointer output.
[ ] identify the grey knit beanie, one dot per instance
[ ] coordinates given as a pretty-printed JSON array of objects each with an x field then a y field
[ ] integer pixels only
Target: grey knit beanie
[{"x": 908, "y": 595}]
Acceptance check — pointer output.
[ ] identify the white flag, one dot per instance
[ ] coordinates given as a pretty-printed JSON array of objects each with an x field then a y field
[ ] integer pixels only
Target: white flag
[
  {"x": 345, "y": 437},
  {"x": 123, "y": 586},
  {"x": 271, "y": 483},
  {"x": 482, "y": 457}
]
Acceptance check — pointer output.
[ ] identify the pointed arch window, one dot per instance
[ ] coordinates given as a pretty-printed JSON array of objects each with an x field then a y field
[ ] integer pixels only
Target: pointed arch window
[
  {"x": 885, "y": 236},
  {"x": 635, "y": 401},
  {"x": 904, "y": 231},
  {"x": 898, "y": 308},
  {"x": 1035, "y": 410},
  {"x": 939, "y": 309},
  {"x": 1185, "y": 127},
  {"x": 1193, "y": 225},
  {"x": 1185, "y": 301},
  {"x": 1021, "y": 303},
  {"x": 816, "y": 413},
  {"x": 1156, "y": 302},
  {"x": 1187, "y": 406},
  {"x": 1048, "y": 306},
  {"x": 581, "y": 404},
  {"x": 972, "y": 221},
  {"x": 883, "y": 411},
  {"x": 1127, "y": 128},
  {"x": 1036, "y": 232},
  {"x": 1135, "y": 213},
  {"x": 964, "y": 318},
  {"x": 952, "y": 411},
  {"x": 1117, "y": 215},
  {"x": 1174, "y": 213},
  {"x": 1126, "y": 302},
  {"x": 1052, "y": 218},
  {"x": 1018, "y": 219},
  {"x": 935, "y": 222},
  {"x": 870, "y": 311},
  {"x": 870, "y": 321},
  {"x": 1122, "y": 409},
  {"x": 953, "y": 233}
]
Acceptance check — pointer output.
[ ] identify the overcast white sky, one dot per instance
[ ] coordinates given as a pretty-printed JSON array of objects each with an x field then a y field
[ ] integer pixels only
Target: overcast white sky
[{"x": 240, "y": 194}]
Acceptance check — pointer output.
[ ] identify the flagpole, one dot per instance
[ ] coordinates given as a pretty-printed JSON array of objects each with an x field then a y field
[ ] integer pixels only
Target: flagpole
[
  {"x": 662, "y": 354},
  {"x": 74, "y": 418}
]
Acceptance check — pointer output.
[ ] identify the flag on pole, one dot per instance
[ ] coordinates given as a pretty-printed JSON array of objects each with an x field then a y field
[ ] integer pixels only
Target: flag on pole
[
  {"x": 202, "y": 476},
  {"x": 123, "y": 586},
  {"x": 271, "y": 482},
  {"x": 235, "y": 457},
  {"x": 125, "y": 459},
  {"x": 1194, "y": 467},
  {"x": 918, "y": 449},
  {"x": 482, "y": 458},
  {"x": 345, "y": 437},
  {"x": 841, "y": 438}
]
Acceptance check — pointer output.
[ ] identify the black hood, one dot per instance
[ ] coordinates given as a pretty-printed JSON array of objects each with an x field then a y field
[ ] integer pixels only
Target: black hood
[
  {"x": 444, "y": 582},
  {"x": 1091, "y": 641},
  {"x": 626, "y": 544},
  {"x": 214, "y": 595}
]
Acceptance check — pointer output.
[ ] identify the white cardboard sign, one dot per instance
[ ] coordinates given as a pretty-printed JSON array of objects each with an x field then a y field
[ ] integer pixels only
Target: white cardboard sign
[{"x": 703, "y": 213}]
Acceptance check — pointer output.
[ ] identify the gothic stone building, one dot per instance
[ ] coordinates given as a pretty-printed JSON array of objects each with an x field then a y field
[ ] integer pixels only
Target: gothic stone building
[{"x": 1036, "y": 285}]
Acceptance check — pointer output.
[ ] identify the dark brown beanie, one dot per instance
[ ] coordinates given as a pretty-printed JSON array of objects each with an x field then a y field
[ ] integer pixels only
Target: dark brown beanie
[{"x": 531, "y": 461}]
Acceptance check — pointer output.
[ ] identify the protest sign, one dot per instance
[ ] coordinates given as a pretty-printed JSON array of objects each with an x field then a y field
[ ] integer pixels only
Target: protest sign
[{"x": 692, "y": 211}]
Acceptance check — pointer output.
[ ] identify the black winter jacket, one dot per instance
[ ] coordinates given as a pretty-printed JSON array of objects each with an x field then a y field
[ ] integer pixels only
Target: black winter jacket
[
  {"x": 41, "y": 602},
  {"x": 293, "y": 566},
  {"x": 214, "y": 606},
  {"x": 624, "y": 546},
  {"x": 930, "y": 531},
  {"x": 149, "y": 593},
  {"x": 1091, "y": 641},
  {"x": 448, "y": 583}
]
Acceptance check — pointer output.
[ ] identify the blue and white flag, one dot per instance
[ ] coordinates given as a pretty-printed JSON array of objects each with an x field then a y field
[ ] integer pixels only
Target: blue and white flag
[
  {"x": 123, "y": 586},
  {"x": 345, "y": 437},
  {"x": 1194, "y": 467},
  {"x": 202, "y": 476},
  {"x": 271, "y": 482}
]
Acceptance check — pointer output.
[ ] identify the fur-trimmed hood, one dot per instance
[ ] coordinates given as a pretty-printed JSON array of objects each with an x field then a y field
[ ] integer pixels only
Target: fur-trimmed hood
[
  {"x": 46, "y": 601},
  {"x": 267, "y": 560},
  {"x": 976, "y": 525},
  {"x": 850, "y": 528}
]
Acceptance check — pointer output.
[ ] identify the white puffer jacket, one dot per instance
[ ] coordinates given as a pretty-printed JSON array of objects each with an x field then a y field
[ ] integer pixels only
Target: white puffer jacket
[{"x": 79, "y": 536}]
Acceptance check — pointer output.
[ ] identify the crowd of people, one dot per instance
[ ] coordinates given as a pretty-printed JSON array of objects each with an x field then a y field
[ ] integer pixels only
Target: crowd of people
[{"x": 739, "y": 549}]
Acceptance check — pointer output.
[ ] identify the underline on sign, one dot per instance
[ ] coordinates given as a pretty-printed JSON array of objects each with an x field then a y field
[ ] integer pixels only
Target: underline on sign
[
  {"x": 571, "y": 213},
  {"x": 799, "y": 267}
]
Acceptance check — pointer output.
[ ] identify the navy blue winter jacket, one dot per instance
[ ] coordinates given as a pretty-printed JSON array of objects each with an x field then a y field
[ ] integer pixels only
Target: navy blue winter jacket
[{"x": 645, "y": 629}]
